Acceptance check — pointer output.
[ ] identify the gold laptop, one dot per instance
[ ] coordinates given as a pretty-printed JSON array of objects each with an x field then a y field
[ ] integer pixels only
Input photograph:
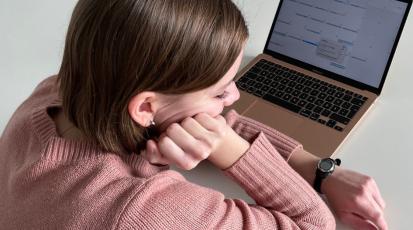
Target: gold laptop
[{"x": 324, "y": 65}]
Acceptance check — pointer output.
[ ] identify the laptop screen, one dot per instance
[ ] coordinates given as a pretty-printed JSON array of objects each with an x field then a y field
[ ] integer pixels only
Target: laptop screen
[{"x": 351, "y": 38}]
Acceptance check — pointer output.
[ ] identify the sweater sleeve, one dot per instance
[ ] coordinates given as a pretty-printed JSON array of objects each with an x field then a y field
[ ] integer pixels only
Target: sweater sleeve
[
  {"x": 249, "y": 129},
  {"x": 283, "y": 199}
]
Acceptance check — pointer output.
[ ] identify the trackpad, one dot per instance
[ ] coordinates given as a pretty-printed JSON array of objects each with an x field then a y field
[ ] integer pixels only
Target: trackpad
[{"x": 275, "y": 117}]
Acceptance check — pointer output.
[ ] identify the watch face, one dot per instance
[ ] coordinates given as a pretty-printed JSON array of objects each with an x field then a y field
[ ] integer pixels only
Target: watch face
[{"x": 326, "y": 165}]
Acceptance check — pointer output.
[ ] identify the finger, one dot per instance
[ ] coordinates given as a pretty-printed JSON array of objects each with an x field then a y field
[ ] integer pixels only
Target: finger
[
  {"x": 376, "y": 194},
  {"x": 356, "y": 222},
  {"x": 194, "y": 128},
  {"x": 210, "y": 123},
  {"x": 187, "y": 142},
  {"x": 175, "y": 154},
  {"x": 153, "y": 155},
  {"x": 378, "y": 220},
  {"x": 370, "y": 210}
]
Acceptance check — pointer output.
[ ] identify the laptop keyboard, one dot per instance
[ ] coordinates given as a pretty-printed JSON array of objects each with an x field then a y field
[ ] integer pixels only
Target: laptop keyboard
[{"x": 312, "y": 98}]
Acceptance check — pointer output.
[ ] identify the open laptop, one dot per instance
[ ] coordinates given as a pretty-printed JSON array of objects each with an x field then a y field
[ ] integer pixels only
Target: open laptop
[{"x": 323, "y": 67}]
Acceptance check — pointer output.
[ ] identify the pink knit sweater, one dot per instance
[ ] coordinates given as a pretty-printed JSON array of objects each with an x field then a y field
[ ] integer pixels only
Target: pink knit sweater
[{"x": 47, "y": 182}]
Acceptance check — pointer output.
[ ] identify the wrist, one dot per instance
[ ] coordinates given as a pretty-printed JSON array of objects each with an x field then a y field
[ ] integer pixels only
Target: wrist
[
  {"x": 230, "y": 150},
  {"x": 329, "y": 182}
]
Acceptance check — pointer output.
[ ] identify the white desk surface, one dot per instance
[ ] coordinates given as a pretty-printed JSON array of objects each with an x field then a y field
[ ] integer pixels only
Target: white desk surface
[{"x": 31, "y": 47}]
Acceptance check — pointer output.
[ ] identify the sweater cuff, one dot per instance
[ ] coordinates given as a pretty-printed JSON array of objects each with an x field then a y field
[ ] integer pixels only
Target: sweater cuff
[{"x": 262, "y": 165}]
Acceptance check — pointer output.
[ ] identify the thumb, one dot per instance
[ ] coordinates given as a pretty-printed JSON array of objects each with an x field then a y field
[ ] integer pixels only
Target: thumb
[{"x": 153, "y": 155}]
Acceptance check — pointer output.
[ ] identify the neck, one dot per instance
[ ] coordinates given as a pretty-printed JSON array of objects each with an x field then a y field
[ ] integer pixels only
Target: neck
[{"x": 64, "y": 127}]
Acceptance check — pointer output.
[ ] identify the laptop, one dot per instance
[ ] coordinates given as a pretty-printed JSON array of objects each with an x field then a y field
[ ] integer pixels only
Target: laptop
[{"x": 323, "y": 67}]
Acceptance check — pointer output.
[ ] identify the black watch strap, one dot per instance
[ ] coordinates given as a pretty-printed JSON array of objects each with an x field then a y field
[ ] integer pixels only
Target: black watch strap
[{"x": 317, "y": 182}]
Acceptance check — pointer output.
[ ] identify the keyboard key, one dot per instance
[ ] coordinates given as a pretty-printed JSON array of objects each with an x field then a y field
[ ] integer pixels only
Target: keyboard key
[
  {"x": 251, "y": 89},
  {"x": 260, "y": 79},
  {"x": 274, "y": 84},
  {"x": 255, "y": 70},
  {"x": 351, "y": 114},
  {"x": 241, "y": 85},
  {"x": 338, "y": 128},
  {"x": 314, "y": 92},
  {"x": 343, "y": 112},
  {"x": 306, "y": 89},
  {"x": 339, "y": 118},
  {"x": 288, "y": 90},
  {"x": 314, "y": 116},
  {"x": 355, "y": 108},
  {"x": 327, "y": 105},
  {"x": 267, "y": 81},
  {"x": 299, "y": 87},
  {"x": 315, "y": 86},
  {"x": 302, "y": 103},
  {"x": 318, "y": 109},
  {"x": 265, "y": 88},
  {"x": 258, "y": 85},
  {"x": 322, "y": 95},
  {"x": 331, "y": 91},
  {"x": 323, "y": 88},
  {"x": 281, "y": 87},
  {"x": 339, "y": 94},
  {"x": 296, "y": 93},
  {"x": 335, "y": 108},
  {"x": 279, "y": 94},
  {"x": 303, "y": 96},
  {"x": 322, "y": 121},
  {"x": 319, "y": 102},
  {"x": 287, "y": 97},
  {"x": 310, "y": 106},
  {"x": 358, "y": 96},
  {"x": 347, "y": 97},
  {"x": 272, "y": 91},
  {"x": 346, "y": 105},
  {"x": 305, "y": 113},
  {"x": 326, "y": 113},
  {"x": 331, "y": 123},
  {"x": 349, "y": 92},
  {"x": 338, "y": 102},
  {"x": 278, "y": 101},
  {"x": 330, "y": 99},
  {"x": 340, "y": 89},
  {"x": 311, "y": 99},
  {"x": 292, "y": 84},
  {"x": 357, "y": 102},
  {"x": 294, "y": 100}
]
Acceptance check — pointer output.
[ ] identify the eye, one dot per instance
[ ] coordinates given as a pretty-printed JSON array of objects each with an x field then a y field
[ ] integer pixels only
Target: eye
[{"x": 222, "y": 96}]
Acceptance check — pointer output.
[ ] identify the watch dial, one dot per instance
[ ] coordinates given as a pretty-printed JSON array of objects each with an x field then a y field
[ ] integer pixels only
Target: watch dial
[{"x": 326, "y": 165}]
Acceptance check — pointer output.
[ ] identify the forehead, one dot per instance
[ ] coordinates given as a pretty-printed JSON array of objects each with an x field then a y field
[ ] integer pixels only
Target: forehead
[{"x": 229, "y": 76}]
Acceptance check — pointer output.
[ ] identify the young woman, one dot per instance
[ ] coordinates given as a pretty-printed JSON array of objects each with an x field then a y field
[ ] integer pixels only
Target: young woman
[{"x": 141, "y": 86}]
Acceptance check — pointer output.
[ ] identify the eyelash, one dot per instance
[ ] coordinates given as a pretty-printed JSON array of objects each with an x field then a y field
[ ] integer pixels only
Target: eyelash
[{"x": 222, "y": 96}]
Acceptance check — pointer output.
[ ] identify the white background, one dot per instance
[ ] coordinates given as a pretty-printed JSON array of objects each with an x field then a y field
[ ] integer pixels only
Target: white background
[{"x": 31, "y": 46}]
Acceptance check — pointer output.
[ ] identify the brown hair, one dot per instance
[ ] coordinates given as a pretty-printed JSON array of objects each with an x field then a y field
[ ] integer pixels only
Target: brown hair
[{"x": 116, "y": 49}]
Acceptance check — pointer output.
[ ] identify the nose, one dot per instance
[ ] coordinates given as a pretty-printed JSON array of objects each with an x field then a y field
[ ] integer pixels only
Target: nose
[{"x": 233, "y": 94}]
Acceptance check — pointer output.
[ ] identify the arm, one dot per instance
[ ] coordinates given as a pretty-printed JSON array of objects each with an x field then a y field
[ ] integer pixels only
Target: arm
[
  {"x": 284, "y": 200},
  {"x": 353, "y": 197}
]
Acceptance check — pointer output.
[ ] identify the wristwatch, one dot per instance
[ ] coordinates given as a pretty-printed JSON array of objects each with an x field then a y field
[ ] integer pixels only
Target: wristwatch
[{"x": 325, "y": 167}]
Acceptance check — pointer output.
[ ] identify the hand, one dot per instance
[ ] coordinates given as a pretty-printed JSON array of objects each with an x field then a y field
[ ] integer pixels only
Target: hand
[
  {"x": 188, "y": 143},
  {"x": 355, "y": 199}
]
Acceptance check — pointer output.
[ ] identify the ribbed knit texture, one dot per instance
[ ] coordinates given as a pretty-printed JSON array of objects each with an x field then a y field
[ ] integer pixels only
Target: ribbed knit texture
[{"x": 48, "y": 182}]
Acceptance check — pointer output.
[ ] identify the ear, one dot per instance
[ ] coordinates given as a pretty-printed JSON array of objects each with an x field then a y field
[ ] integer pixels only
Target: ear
[{"x": 142, "y": 108}]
